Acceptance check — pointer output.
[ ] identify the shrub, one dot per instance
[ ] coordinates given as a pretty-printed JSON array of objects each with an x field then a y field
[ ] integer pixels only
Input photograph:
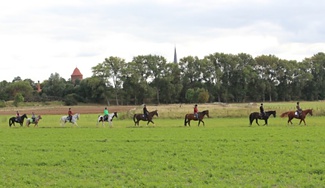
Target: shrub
[
  {"x": 70, "y": 100},
  {"x": 2, "y": 104}
]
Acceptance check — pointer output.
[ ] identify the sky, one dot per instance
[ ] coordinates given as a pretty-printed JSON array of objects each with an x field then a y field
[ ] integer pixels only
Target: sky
[{"x": 43, "y": 37}]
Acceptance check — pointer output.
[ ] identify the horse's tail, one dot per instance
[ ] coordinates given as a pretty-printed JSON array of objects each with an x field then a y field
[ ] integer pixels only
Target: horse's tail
[
  {"x": 134, "y": 117},
  {"x": 284, "y": 114},
  {"x": 10, "y": 122},
  {"x": 185, "y": 120},
  {"x": 250, "y": 117}
]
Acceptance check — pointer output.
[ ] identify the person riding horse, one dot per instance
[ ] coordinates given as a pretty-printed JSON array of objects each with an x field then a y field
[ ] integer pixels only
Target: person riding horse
[
  {"x": 17, "y": 116},
  {"x": 33, "y": 117},
  {"x": 70, "y": 115},
  {"x": 196, "y": 115},
  {"x": 106, "y": 114},
  {"x": 299, "y": 110},
  {"x": 262, "y": 111},
  {"x": 145, "y": 112}
]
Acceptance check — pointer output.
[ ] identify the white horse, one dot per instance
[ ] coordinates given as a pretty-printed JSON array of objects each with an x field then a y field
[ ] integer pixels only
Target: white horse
[
  {"x": 30, "y": 121},
  {"x": 109, "y": 119},
  {"x": 74, "y": 119}
]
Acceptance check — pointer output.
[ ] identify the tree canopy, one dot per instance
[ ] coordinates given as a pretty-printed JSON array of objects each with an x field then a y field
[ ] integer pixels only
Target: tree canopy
[{"x": 217, "y": 77}]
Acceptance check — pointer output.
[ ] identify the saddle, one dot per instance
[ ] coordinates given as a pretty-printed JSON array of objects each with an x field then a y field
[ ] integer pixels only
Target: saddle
[{"x": 297, "y": 114}]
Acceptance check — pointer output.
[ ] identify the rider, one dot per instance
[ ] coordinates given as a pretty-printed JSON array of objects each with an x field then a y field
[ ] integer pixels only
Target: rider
[
  {"x": 262, "y": 111},
  {"x": 17, "y": 116},
  {"x": 33, "y": 117},
  {"x": 196, "y": 115},
  {"x": 106, "y": 114},
  {"x": 299, "y": 110},
  {"x": 145, "y": 111},
  {"x": 70, "y": 115}
]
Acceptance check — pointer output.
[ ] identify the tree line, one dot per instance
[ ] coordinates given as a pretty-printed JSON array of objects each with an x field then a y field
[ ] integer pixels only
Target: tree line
[{"x": 218, "y": 77}]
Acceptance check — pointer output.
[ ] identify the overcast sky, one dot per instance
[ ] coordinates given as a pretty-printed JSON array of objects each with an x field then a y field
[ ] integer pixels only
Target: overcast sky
[{"x": 40, "y": 37}]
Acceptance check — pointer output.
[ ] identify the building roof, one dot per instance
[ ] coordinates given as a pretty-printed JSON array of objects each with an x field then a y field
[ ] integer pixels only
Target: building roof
[{"x": 76, "y": 72}]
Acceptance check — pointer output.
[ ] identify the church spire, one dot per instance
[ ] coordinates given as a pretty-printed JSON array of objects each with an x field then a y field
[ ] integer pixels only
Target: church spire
[{"x": 175, "y": 56}]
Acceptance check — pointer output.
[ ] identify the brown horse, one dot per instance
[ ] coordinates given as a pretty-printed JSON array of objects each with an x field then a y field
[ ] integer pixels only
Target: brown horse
[
  {"x": 291, "y": 115},
  {"x": 138, "y": 117},
  {"x": 189, "y": 117}
]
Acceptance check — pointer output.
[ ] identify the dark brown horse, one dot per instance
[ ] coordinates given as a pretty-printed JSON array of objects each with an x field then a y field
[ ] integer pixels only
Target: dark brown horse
[
  {"x": 189, "y": 117},
  {"x": 138, "y": 117},
  {"x": 291, "y": 115},
  {"x": 20, "y": 120},
  {"x": 256, "y": 115}
]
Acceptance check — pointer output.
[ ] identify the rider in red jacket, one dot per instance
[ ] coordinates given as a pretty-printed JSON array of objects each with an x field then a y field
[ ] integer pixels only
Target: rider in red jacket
[
  {"x": 70, "y": 114},
  {"x": 196, "y": 115}
]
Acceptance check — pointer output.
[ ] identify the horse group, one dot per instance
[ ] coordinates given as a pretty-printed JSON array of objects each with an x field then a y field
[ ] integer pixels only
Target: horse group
[
  {"x": 22, "y": 118},
  {"x": 149, "y": 118},
  {"x": 290, "y": 114}
]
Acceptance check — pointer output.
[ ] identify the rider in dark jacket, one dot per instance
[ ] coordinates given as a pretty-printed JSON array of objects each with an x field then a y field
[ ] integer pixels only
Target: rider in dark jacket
[
  {"x": 262, "y": 111},
  {"x": 145, "y": 111},
  {"x": 299, "y": 110}
]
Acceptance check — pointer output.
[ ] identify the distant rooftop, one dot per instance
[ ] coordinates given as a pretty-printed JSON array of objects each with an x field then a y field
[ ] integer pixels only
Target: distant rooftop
[{"x": 76, "y": 72}]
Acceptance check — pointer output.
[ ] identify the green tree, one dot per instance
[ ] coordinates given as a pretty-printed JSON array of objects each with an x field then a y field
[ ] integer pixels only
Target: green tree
[
  {"x": 22, "y": 87},
  {"x": 54, "y": 87},
  {"x": 111, "y": 70},
  {"x": 93, "y": 89},
  {"x": 18, "y": 99}
]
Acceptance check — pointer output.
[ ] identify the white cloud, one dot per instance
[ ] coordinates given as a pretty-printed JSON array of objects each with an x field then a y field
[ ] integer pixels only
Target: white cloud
[{"x": 43, "y": 37}]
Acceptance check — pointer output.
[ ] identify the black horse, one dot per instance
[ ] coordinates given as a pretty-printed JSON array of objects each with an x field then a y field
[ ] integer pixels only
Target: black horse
[
  {"x": 256, "y": 115},
  {"x": 138, "y": 117},
  {"x": 19, "y": 120},
  {"x": 189, "y": 117}
]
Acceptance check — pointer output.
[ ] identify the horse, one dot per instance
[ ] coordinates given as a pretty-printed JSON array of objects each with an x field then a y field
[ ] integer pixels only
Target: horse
[
  {"x": 189, "y": 117},
  {"x": 20, "y": 120},
  {"x": 292, "y": 114},
  {"x": 74, "y": 119},
  {"x": 138, "y": 117},
  {"x": 30, "y": 121},
  {"x": 256, "y": 115},
  {"x": 109, "y": 119}
]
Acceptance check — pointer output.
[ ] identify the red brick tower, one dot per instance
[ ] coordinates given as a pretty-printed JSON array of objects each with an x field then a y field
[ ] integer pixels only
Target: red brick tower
[{"x": 76, "y": 75}]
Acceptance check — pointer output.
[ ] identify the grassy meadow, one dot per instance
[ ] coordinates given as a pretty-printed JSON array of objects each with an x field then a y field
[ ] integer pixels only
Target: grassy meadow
[{"x": 226, "y": 152}]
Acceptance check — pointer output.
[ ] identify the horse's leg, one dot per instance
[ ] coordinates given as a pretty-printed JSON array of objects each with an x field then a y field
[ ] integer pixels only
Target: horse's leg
[
  {"x": 302, "y": 120},
  {"x": 203, "y": 122},
  {"x": 198, "y": 124},
  {"x": 265, "y": 121},
  {"x": 257, "y": 121}
]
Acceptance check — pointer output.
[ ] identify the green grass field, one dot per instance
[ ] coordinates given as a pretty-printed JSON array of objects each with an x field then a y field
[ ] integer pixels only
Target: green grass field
[{"x": 227, "y": 152}]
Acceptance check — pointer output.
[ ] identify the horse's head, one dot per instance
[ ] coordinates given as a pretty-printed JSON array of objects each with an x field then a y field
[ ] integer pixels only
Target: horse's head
[
  {"x": 309, "y": 111},
  {"x": 115, "y": 114},
  {"x": 154, "y": 113},
  {"x": 24, "y": 116},
  {"x": 77, "y": 116},
  {"x": 39, "y": 117},
  {"x": 206, "y": 112},
  {"x": 274, "y": 113}
]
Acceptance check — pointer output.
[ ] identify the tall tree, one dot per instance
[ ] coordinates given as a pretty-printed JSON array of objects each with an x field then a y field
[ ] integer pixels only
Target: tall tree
[
  {"x": 54, "y": 86},
  {"x": 111, "y": 71}
]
